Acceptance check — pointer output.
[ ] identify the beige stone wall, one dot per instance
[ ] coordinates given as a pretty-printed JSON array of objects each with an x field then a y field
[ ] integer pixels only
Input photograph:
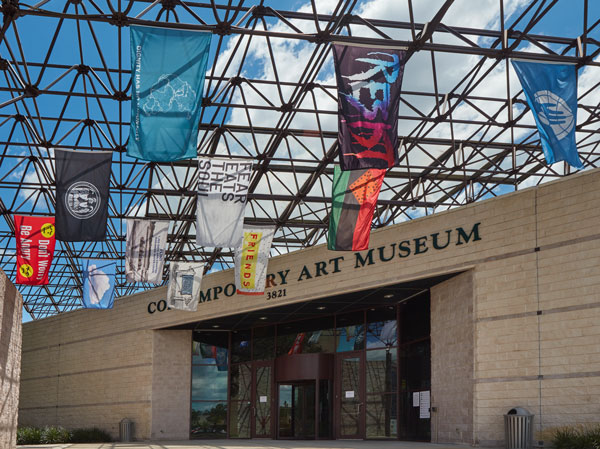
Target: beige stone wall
[
  {"x": 535, "y": 305},
  {"x": 171, "y": 387},
  {"x": 452, "y": 349},
  {"x": 11, "y": 306}
]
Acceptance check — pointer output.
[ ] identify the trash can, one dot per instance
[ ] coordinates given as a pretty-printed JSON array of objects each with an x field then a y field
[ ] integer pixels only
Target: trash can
[
  {"x": 126, "y": 430},
  {"x": 518, "y": 429}
]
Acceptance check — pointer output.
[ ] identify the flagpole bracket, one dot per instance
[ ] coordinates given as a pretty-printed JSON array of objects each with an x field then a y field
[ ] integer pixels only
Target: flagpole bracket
[
  {"x": 119, "y": 19},
  {"x": 223, "y": 28}
]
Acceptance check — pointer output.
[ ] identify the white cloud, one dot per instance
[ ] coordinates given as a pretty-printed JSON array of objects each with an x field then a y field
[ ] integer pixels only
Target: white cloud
[{"x": 99, "y": 284}]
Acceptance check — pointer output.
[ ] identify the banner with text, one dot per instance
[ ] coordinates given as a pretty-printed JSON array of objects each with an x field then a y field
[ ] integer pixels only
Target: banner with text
[
  {"x": 222, "y": 194},
  {"x": 35, "y": 249},
  {"x": 168, "y": 69},
  {"x": 252, "y": 259},
  {"x": 185, "y": 281},
  {"x": 369, "y": 82},
  {"x": 145, "y": 250}
]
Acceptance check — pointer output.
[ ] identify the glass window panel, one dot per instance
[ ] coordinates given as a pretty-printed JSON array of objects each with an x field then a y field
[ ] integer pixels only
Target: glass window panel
[
  {"x": 414, "y": 319},
  {"x": 325, "y": 408},
  {"x": 209, "y": 420},
  {"x": 307, "y": 336},
  {"x": 240, "y": 346},
  {"x": 381, "y": 334},
  {"x": 241, "y": 382},
  {"x": 209, "y": 382},
  {"x": 415, "y": 363},
  {"x": 285, "y": 411},
  {"x": 382, "y": 371},
  {"x": 410, "y": 425},
  {"x": 263, "y": 343},
  {"x": 350, "y": 332},
  {"x": 239, "y": 419},
  {"x": 210, "y": 347},
  {"x": 382, "y": 421}
]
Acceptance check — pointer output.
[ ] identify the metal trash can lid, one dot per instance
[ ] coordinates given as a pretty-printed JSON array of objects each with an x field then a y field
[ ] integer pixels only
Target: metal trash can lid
[
  {"x": 519, "y": 411},
  {"x": 126, "y": 421}
]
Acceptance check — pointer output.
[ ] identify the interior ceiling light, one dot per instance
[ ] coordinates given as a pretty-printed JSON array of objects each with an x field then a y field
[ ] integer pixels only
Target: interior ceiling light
[{"x": 388, "y": 296}]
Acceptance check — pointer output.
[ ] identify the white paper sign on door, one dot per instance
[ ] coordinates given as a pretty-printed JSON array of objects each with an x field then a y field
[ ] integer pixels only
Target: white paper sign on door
[
  {"x": 416, "y": 399},
  {"x": 424, "y": 404},
  {"x": 349, "y": 394},
  {"x": 263, "y": 399}
]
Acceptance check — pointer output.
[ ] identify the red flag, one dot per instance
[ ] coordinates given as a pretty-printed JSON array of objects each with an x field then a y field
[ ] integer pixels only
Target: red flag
[{"x": 35, "y": 248}]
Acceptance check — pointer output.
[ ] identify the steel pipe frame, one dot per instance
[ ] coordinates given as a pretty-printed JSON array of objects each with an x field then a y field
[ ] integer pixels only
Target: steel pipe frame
[{"x": 414, "y": 185}]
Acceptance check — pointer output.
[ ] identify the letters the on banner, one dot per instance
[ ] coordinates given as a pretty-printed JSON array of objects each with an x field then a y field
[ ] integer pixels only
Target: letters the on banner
[
  {"x": 222, "y": 194},
  {"x": 369, "y": 82},
  {"x": 82, "y": 182},
  {"x": 98, "y": 283},
  {"x": 252, "y": 259},
  {"x": 168, "y": 69},
  {"x": 35, "y": 248},
  {"x": 145, "y": 251},
  {"x": 185, "y": 281},
  {"x": 551, "y": 92}
]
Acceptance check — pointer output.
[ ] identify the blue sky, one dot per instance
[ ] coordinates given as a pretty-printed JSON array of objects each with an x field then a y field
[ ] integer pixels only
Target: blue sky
[{"x": 37, "y": 32}]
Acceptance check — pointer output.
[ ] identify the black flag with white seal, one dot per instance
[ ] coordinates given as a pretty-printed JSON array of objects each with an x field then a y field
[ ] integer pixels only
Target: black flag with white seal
[{"x": 82, "y": 182}]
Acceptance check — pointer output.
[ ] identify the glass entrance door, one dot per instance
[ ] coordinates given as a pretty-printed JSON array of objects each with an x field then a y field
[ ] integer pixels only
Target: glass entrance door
[
  {"x": 351, "y": 410},
  {"x": 263, "y": 394},
  {"x": 297, "y": 409}
]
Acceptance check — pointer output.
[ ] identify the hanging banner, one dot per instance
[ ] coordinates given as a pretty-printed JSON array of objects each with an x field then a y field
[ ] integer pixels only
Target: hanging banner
[
  {"x": 98, "y": 283},
  {"x": 222, "y": 194},
  {"x": 369, "y": 82},
  {"x": 168, "y": 69},
  {"x": 145, "y": 250},
  {"x": 82, "y": 182},
  {"x": 35, "y": 249},
  {"x": 185, "y": 280},
  {"x": 354, "y": 198},
  {"x": 551, "y": 93},
  {"x": 252, "y": 259}
]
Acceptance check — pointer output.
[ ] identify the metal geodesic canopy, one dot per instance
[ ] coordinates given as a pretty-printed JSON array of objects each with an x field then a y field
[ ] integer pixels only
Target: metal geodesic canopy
[{"x": 270, "y": 97}]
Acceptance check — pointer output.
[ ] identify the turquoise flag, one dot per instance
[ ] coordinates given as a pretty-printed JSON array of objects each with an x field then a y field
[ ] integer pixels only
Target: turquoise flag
[
  {"x": 551, "y": 92},
  {"x": 167, "y": 68}
]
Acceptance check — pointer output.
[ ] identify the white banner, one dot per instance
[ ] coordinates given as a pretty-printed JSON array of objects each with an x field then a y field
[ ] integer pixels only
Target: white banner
[
  {"x": 184, "y": 285},
  {"x": 252, "y": 259},
  {"x": 222, "y": 193},
  {"x": 145, "y": 251}
]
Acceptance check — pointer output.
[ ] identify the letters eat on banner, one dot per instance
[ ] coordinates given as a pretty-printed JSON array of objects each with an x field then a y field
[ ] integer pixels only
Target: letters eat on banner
[
  {"x": 222, "y": 193},
  {"x": 35, "y": 248},
  {"x": 252, "y": 259},
  {"x": 551, "y": 92},
  {"x": 184, "y": 285},
  {"x": 98, "y": 283},
  {"x": 168, "y": 69},
  {"x": 369, "y": 82},
  {"x": 82, "y": 181},
  {"x": 145, "y": 251}
]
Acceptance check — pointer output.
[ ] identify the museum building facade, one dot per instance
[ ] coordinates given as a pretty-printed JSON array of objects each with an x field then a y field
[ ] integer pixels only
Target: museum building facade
[{"x": 442, "y": 326}]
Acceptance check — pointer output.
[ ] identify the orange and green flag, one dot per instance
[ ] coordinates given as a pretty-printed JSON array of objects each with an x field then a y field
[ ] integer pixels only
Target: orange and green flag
[{"x": 354, "y": 198}]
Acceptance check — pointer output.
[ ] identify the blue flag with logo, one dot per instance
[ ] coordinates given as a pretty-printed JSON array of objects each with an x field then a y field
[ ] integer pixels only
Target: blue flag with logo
[
  {"x": 168, "y": 67},
  {"x": 551, "y": 92},
  {"x": 98, "y": 283}
]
